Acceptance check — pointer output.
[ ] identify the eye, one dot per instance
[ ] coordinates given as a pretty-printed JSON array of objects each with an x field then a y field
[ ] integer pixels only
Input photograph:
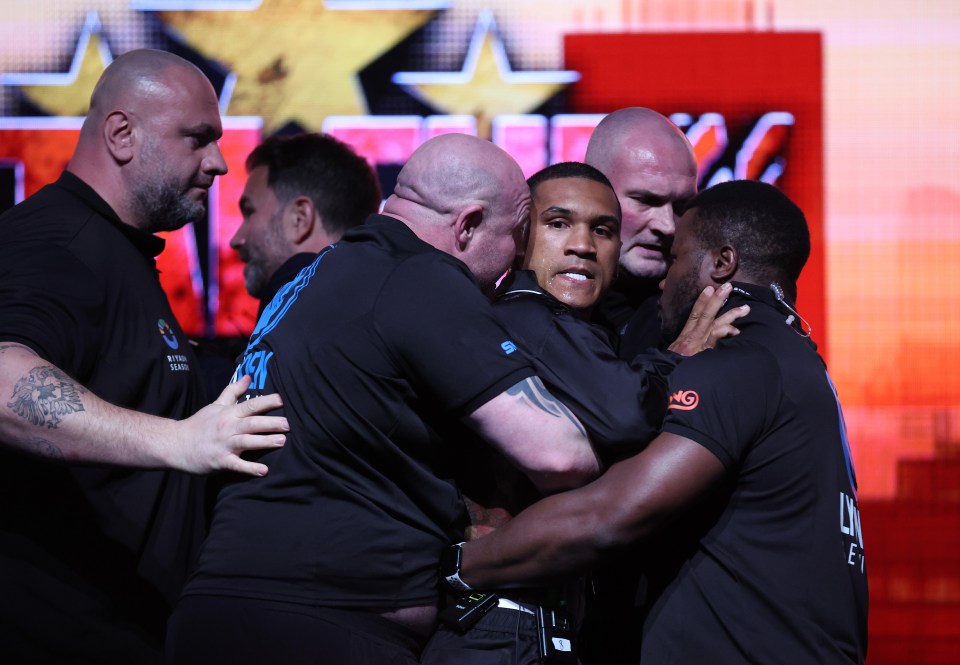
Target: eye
[
  {"x": 603, "y": 231},
  {"x": 558, "y": 223},
  {"x": 649, "y": 200}
]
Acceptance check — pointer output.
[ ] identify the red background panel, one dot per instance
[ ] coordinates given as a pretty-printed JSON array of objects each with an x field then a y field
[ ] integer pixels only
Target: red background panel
[{"x": 741, "y": 75}]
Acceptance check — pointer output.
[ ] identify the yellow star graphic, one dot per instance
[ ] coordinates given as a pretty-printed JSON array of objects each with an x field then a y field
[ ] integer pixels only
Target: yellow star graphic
[
  {"x": 296, "y": 60},
  {"x": 487, "y": 86},
  {"x": 68, "y": 94}
]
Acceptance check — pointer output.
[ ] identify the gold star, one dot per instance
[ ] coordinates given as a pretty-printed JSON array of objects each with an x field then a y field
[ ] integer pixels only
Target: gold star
[
  {"x": 297, "y": 60},
  {"x": 68, "y": 94},
  {"x": 487, "y": 86}
]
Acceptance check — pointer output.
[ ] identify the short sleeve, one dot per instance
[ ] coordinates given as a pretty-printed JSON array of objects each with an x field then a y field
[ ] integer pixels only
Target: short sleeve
[
  {"x": 620, "y": 405},
  {"x": 50, "y": 303},
  {"x": 724, "y": 400},
  {"x": 443, "y": 333}
]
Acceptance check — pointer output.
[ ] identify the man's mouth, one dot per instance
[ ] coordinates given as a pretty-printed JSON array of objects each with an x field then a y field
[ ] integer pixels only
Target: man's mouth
[{"x": 576, "y": 275}]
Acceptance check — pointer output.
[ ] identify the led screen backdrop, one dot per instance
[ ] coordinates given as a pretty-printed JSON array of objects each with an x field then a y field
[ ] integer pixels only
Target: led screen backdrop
[{"x": 852, "y": 108}]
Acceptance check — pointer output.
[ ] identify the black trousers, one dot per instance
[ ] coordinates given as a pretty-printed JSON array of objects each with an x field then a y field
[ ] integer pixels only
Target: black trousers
[
  {"x": 501, "y": 637},
  {"x": 240, "y": 631}
]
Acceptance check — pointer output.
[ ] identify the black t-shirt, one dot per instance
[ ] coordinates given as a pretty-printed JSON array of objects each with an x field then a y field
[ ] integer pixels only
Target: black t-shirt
[
  {"x": 630, "y": 309},
  {"x": 772, "y": 570},
  {"x": 81, "y": 289},
  {"x": 620, "y": 404},
  {"x": 376, "y": 349}
]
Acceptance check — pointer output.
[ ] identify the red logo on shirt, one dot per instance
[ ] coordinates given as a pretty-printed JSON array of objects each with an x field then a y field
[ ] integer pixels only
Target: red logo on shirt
[{"x": 684, "y": 400}]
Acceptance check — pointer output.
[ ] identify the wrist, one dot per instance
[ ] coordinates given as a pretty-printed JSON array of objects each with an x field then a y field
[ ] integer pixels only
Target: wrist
[{"x": 450, "y": 562}]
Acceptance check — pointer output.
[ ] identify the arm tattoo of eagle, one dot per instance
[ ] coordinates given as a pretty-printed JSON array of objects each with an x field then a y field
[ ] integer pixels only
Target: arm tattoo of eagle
[{"x": 45, "y": 395}]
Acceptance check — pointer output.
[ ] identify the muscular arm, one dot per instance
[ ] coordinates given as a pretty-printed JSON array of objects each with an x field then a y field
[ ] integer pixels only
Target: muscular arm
[
  {"x": 539, "y": 435},
  {"x": 567, "y": 532},
  {"x": 44, "y": 412}
]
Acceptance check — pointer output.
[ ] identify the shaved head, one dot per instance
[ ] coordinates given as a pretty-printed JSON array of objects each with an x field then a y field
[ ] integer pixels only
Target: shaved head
[
  {"x": 467, "y": 197},
  {"x": 134, "y": 78},
  {"x": 653, "y": 169},
  {"x": 451, "y": 169},
  {"x": 148, "y": 146},
  {"x": 634, "y": 129}
]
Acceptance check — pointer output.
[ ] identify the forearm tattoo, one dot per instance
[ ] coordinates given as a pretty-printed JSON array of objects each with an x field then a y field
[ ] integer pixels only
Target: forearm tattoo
[
  {"x": 533, "y": 391},
  {"x": 45, "y": 395},
  {"x": 45, "y": 448}
]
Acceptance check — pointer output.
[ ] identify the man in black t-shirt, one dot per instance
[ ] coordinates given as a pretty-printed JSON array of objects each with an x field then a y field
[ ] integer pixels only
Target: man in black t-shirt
[
  {"x": 302, "y": 193},
  {"x": 755, "y": 561},
  {"x": 653, "y": 170},
  {"x": 380, "y": 349},
  {"x": 95, "y": 373},
  {"x": 569, "y": 262}
]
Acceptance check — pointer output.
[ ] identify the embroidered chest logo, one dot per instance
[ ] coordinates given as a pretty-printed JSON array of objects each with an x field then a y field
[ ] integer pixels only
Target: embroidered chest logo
[
  {"x": 168, "y": 335},
  {"x": 684, "y": 400}
]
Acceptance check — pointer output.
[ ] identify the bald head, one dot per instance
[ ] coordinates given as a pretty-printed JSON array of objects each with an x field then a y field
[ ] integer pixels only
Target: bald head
[
  {"x": 653, "y": 169},
  {"x": 467, "y": 197},
  {"x": 149, "y": 143},
  {"x": 134, "y": 78}
]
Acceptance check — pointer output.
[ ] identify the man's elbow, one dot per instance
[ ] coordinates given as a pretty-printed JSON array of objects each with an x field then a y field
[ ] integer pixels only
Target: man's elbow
[{"x": 567, "y": 471}]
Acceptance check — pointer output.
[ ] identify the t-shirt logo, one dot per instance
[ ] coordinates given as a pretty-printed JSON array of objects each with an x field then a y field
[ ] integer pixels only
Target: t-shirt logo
[
  {"x": 508, "y": 347},
  {"x": 168, "y": 335},
  {"x": 684, "y": 400}
]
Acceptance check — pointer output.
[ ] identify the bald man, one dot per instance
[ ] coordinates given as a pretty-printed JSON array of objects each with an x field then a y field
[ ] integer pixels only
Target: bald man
[
  {"x": 92, "y": 557},
  {"x": 381, "y": 350},
  {"x": 653, "y": 170}
]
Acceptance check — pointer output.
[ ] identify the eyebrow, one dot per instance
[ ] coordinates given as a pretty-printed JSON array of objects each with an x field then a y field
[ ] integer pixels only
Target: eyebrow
[
  {"x": 556, "y": 209},
  {"x": 203, "y": 129}
]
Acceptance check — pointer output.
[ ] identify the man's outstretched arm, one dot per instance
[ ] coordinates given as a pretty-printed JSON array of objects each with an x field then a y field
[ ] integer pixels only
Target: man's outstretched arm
[
  {"x": 568, "y": 532},
  {"x": 44, "y": 412},
  {"x": 539, "y": 435}
]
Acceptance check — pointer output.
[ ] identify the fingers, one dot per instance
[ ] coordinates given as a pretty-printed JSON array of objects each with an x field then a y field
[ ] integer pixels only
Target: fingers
[
  {"x": 261, "y": 404},
  {"x": 240, "y": 465},
  {"x": 261, "y": 424},
  {"x": 728, "y": 317},
  {"x": 710, "y": 301},
  {"x": 723, "y": 326},
  {"x": 234, "y": 391}
]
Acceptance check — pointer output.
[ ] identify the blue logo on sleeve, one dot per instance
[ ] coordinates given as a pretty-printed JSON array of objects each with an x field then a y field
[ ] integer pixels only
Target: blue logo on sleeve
[{"x": 508, "y": 347}]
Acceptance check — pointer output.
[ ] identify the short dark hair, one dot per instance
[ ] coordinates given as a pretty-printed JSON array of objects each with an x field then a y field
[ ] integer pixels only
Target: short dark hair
[
  {"x": 768, "y": 230},
  {"x": 566, "y": 170},
  {"x": 342, "y": 185}
]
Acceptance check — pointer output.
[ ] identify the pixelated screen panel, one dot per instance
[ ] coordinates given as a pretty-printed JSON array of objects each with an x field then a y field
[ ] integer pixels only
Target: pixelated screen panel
[{"x": 751, "y": 102}]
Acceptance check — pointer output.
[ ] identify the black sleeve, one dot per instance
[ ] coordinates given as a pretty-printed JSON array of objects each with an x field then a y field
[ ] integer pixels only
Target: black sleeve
[
  {"x": 620, "y": 405},
  {"x": 724, "y": 400},
  {"x": 442, "y": 331},
  {"x": 50, "y": 303}
]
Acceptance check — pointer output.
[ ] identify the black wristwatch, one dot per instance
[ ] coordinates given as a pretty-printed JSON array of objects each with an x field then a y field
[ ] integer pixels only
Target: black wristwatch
[{"x": 450, "y": 568}]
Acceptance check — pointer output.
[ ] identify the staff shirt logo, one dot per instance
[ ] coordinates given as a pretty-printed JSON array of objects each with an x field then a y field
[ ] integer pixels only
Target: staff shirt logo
[
  {"x": 168, "y": 335},
  {"x": 684, "y": 400}
]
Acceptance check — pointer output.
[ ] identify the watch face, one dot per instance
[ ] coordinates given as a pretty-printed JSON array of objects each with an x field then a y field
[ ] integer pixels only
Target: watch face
[{"x": 450, "y": 561}]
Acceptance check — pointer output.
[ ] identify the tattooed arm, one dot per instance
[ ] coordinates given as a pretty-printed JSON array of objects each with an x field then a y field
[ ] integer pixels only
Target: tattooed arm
[
  {"x": 46, "y": 413},
  {"x": 539, "y": 435}
]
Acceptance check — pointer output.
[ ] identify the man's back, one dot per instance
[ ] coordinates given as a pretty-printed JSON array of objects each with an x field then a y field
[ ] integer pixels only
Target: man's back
[{"x": 375, "y": 348}]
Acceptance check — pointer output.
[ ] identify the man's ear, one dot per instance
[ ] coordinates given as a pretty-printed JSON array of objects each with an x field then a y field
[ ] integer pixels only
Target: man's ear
[
  {"x": 300, "y": 217},
  {"x": 466, "y": 225},
  {"x": 120, "y": 136},
  {"x": 724, "y": 263}
]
